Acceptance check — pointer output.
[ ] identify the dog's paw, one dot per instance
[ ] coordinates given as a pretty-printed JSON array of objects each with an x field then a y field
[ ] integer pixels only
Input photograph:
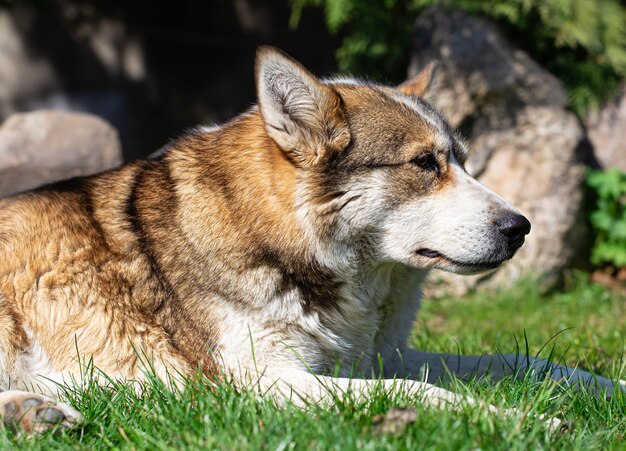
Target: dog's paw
[{"x": 34, "y": 413}]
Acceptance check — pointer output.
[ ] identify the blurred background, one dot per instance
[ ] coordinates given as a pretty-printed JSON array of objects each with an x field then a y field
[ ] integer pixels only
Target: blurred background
[
  {"x": 536, "y": 86},
  {"x": 151, "y": 69}
]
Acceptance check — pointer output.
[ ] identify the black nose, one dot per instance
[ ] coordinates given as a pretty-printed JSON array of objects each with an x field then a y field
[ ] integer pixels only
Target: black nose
[{"x": 513, "y": 226}]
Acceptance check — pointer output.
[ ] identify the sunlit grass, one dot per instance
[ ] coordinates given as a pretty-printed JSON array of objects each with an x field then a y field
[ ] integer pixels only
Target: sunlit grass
[
  {"x": 205, "y": 416},
  {"x": 585, "y": 324}
]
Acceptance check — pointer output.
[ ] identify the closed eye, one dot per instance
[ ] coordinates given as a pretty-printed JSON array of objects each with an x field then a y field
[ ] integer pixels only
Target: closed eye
[{"x": 426, "y": 161}]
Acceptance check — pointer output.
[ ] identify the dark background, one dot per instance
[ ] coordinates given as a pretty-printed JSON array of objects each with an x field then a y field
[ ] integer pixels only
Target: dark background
[{"x": 155, "y": 68}]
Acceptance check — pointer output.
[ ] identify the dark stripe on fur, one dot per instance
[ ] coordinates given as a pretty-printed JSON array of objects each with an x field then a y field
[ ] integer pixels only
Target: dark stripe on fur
[
  {"x": 87, "y": 203},
  {"x": 136, "y": 225},
  {"x": 179, "y": 326},
  {"x": 316, "y": 286}
]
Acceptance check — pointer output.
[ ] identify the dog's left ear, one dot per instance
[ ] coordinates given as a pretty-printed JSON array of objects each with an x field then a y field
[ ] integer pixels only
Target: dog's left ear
[
  {"x": 301, "y": 114},
  {"x": 420, "y": 85}
]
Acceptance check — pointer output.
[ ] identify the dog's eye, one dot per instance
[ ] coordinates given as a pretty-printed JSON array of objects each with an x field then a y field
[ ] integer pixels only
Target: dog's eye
[{"x": 426, "y": 161}]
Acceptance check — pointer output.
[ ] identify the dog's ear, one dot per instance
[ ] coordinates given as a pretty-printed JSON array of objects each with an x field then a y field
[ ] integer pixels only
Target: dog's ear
[
  {"x": 420, "y": 85},
  {"x": 304, "y": 116}
]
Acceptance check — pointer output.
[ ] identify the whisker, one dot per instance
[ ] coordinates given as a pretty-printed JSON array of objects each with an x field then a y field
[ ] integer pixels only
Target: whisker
[{"x": 332, "y": 209}]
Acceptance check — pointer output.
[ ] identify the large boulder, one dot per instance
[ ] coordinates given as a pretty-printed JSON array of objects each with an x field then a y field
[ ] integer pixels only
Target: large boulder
[
  {"x": 525, "y": 145},
  {"x": 606, "y": 129},
  {"x": 45, "y": 146}
]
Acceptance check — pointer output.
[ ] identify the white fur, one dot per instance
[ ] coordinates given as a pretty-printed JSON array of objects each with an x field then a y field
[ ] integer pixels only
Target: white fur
[
  {"x": 344, "y": 81},
  {"x": 207, "y": 128},
  {"x": 32, "y": 370},
  {"x": 455, "y": 222}
]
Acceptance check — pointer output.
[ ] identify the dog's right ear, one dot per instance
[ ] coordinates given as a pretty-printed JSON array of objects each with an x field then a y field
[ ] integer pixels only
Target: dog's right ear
[
  {"x": 301, "y": 114},
  {"x": 421, "y": 84}
]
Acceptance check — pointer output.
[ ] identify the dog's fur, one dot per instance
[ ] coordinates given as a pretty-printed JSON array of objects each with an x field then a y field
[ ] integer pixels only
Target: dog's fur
[{"x": 278, "y": 248}]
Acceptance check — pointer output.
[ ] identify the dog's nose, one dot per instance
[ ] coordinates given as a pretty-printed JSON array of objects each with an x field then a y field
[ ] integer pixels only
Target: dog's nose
[{"x": 513, "y": 226}]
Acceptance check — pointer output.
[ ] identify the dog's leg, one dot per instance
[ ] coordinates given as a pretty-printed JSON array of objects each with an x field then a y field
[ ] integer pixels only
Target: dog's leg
[
  {"x": 29, "y": 412},
  {"x": 304, "y": 388},
  {"x": 34, "y": 413},
  {"x": 434, "y": 367}
]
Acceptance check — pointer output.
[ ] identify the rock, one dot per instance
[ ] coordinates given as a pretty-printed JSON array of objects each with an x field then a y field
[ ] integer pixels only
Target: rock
[
  {"x": 45, "y": 146},
  {"x": 606, "y": 129},
  {"x": 525, "y": 145}
]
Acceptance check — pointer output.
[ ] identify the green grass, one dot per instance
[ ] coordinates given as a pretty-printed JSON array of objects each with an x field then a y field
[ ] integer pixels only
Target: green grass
[
  {"x": 589, "y": 322},
  {"x": 223, "y": 418}
]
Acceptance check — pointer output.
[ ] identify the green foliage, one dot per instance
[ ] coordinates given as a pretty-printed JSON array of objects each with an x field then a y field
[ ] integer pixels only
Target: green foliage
[
  {"x": 583, "y": 42},
  {"x": 609, "y": 216},
  {"x": 376, "y": 34}
]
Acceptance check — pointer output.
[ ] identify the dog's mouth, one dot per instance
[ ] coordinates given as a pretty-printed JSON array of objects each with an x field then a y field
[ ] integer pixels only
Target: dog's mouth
[{"x": 461, "y": 266}]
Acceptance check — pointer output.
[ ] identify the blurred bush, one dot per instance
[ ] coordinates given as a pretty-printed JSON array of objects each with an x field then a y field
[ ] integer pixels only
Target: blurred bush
[
  {"x": 608, "y": 217},
  {"x": 582, "y": 42}
]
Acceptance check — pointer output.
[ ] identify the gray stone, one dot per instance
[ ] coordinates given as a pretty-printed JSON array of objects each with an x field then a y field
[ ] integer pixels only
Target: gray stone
[
  {"x": 606, "y": 129},
  {"x": 45, "y": 146},
  {"x": 525, "y": 145}
]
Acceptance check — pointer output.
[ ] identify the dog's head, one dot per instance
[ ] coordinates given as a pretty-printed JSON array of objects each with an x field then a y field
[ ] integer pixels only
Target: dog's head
[{"x": 380, "y": 170}]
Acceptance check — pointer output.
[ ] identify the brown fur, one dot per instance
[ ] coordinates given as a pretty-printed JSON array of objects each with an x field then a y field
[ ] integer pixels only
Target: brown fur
[
  {"x": 132, "y": 259},
  {"x": 121, "y": 257}
]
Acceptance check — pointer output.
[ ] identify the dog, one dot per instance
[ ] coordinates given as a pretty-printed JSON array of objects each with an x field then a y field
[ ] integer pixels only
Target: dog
[{"x": 284, "y": 249}]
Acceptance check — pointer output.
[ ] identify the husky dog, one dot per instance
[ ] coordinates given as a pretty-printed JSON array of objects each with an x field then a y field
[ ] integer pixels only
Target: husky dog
[{"x": 282, "y": 247}]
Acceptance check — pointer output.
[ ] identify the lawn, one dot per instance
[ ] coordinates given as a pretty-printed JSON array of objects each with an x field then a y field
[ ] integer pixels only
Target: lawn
[{"x": 589, "y": 323}]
